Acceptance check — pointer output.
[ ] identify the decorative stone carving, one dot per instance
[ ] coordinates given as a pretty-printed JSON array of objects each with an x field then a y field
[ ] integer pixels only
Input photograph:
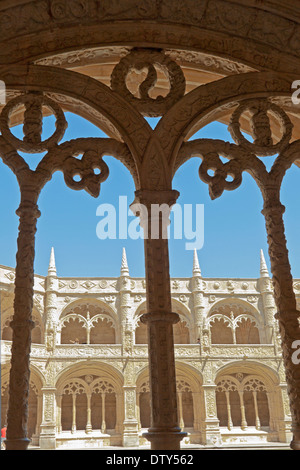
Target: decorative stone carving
[
  {"x": 260, "y": 37},
  {"x": 147, "y": 58}
]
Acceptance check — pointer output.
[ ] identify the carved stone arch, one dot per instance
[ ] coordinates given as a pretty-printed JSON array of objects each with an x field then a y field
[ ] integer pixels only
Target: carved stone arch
[
  {"x": 235, "y": 303},
  {"x": 39, "y": 328},
  {"x": 249, "y": 323},
  {"x": 234, "y": 320},
  {"x": 37, "y": 376},
  {"x": 254, "y": 383},
  {"x": 246, "y": 316},
  {"x": 89, "y": 374},
  {"x": 102, "y": 384},
  {"x": 102, "y": 316},
  {"x": 268, "y": 409},
  {"x": 131, "y": 126},
  {"x": 211, "y": 102},
  {"x": 100, "y": 322},
  {"x": 140, "y": 328},
  {"x": 228, "y": 382},
  {"x": 269, "y": 374},
  {"x": 183, "y": 311},
  {"x": 78, "y": 326},
  {"x": 190, "y": 396},
  {"x": 74, "y": 385},
  {"x": 182, "y": 330},
  {"x": 185, "y": 323},
  {"x": 265, "y": 36},
  {"x": 37, "y": 334},
  {"x": 89, "y": 312},
  {"x": 91, "y": 368},
  {"x": 142, "y": 376},
  {"x": 66, "y": 318},
  {"x": 217, "y": 316},
  {"x": 36, "y": 383},
  {"x": 191, "y": 373},
  {"x": 92, "y": 303}
]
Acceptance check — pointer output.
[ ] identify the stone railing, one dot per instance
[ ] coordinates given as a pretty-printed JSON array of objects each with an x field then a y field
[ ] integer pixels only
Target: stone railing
[{"x": 141, "y": 351}]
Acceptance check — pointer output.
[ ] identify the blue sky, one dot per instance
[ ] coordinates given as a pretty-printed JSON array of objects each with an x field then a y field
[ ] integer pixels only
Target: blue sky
[{"x": 234, "y": 230}]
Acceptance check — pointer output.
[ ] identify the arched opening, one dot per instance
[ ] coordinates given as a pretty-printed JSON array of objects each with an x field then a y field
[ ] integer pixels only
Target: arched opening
[
  {"x": 233, "y": 321},
  {"x": 88, "y": 322},
  {"x": 248, "y": 404},
  {"x": 220, "y": 331},
  {"x": 89, "y": 404}
]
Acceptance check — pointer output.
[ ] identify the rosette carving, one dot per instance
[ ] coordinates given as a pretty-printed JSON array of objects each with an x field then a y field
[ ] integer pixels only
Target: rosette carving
[
  {"x": 152, "y": 60},
  {"x": 33, "y": 119},
  {"x": 260, "y": 113}
]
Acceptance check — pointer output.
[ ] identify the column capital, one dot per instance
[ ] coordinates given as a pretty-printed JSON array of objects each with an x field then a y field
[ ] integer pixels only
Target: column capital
[
  {"x": 168, "y": 317},
  {"x": 148, "y": 197}
]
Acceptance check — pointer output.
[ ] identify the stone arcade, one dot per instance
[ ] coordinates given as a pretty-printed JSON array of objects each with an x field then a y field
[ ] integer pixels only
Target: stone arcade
[
  {"x": 115, "y": 63},
  {"x": 89, "y": 382}
]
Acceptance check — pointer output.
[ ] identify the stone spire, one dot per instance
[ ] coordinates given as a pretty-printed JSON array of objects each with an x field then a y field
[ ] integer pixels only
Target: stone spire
[
  {"x": 263, "y": 266},
  {"x": 52, "y": 267},
  {"x": 196, "y": 267},
  {"x": 124, "y": 264}
]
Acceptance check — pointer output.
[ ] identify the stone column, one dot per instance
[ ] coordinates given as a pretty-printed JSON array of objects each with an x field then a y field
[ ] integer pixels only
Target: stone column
[
  {"x": 287, "y": 313},
  {"x": 138, "y": 411},
  {"x": 125, "y": 308},
  {"x": 164, "y": 433},
  {"x": 269, "y": 308},
  {"x": 199, "y": 304},
  {"x": 88, "y": 427},
  {"x": 130, "y": 432},
  {"x": 58, "y": 413},
  {"x": 181, "y": 421},
  {"x": 73, "y": 429},
  {"x": 212, "y": 428},
  {"x": 130, "y": 424},
  {"x": 243, "y": 415},
  {"x": 103, "y": 424},
  {"x": 229, "y": 419},
  {"x": 257, "y": 421},
  {"x": 48, "y": 425},
  {"x": 50, "y": 304},
  {"x": 22, "y": 323}
]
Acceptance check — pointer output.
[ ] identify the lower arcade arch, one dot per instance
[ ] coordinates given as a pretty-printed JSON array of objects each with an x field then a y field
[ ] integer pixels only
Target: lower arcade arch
[
  {"x": 89, "y": 399},
  {"x": 190, "y": 399},
  {"x": 35, "y": 401},
  {"x": 249, "y": 399}
]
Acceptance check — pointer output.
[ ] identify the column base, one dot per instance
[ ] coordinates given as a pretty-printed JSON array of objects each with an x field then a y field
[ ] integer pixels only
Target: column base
[
  {"x": 47, "y": 442},
  {"x": 47, "y": 437},
  {"x": 165, "y": 440},
  {"x": 130, "y": 440},
  {"x": 17, "y": 444},
  {"x": 295, "y": 443},
  {"x": 130, "y": 434}
]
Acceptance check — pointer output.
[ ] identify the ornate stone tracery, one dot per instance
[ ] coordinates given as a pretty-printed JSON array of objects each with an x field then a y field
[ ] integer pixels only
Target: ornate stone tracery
[{"x": 251, "y": 38}]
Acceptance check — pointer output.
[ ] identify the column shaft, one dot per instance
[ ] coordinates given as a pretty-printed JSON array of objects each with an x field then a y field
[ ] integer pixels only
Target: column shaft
[
  {"x": 287, "y": 313},
  {"x": 22, "y": 324},
  {"x": 164, "y": 432}
]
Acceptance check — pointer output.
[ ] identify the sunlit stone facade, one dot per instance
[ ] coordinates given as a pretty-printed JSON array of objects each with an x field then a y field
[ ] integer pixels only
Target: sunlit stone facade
[{"x": 89, "y": 382}]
